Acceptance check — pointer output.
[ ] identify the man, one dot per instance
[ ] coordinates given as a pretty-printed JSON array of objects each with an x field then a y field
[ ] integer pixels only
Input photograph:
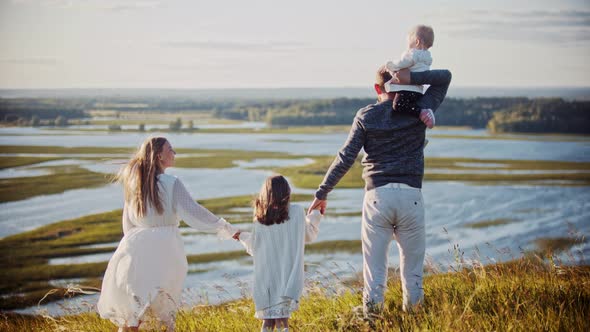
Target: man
[{"x": 393, "y": 170}]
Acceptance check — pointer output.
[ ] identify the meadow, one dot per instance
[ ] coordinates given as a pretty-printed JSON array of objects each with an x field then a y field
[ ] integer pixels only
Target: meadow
[
  {"x": 536, "y": 291},
  {"x": 528, "y": 294}
]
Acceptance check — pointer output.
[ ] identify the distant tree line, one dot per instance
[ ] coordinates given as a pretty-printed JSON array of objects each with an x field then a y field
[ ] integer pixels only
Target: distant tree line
[
  {"x": 36, "y": 112},
  {"x": 499, "y": 114},
  {"x": 475, "y": 112},
  {"x": 543, "y": 116}
]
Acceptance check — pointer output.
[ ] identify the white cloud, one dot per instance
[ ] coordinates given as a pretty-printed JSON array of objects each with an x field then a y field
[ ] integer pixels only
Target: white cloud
[{"x": 564, "y": 27}]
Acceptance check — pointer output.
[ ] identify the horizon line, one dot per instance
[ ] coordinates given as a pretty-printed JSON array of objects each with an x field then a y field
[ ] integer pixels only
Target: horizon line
[{"x": 301, "y": 87}]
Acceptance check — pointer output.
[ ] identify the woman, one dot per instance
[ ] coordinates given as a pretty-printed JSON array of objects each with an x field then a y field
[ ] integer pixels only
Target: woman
[{"x": 147, "y": 271}]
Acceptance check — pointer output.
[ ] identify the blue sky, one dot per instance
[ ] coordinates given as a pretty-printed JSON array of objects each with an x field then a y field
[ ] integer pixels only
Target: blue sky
[{"x": 304, "y": 43}]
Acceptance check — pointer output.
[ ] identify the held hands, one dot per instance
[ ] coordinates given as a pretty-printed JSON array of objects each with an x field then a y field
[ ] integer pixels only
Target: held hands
[{"x": 318, "y": 204}]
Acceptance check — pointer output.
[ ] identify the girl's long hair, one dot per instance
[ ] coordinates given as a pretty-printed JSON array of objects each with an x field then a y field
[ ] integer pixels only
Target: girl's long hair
[
  {"x": 272, "y": 204},
  {"x": 140, "y": 177}
]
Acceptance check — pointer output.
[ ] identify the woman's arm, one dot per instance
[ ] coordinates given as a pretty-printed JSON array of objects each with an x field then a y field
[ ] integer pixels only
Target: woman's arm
[
  {"x": 246, "y": 241},
  {"x": 197, "y": 216},
  {"x": 312, "y": 226}
]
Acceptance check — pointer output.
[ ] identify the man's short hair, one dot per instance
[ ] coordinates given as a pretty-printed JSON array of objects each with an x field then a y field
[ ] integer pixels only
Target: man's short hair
[{"x": 423, "y": 33}]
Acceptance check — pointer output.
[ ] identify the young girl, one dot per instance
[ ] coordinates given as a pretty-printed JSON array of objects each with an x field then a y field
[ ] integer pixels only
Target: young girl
[
  {"x": 277, "y": 243},
  {"x": 146, "y": 273}
]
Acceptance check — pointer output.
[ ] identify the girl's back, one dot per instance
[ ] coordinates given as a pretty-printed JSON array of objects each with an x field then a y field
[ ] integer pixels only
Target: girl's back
[
  {"x": 278, "y": 257},
  {"x": 278, "y": 252}
]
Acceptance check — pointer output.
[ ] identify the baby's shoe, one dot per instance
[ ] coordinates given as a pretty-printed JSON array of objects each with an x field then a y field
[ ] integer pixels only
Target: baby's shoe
[{"x": 427, "y": 116}]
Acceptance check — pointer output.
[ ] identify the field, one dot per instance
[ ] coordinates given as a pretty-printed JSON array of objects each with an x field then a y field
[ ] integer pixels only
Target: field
[{"x": 527, "y": 294}]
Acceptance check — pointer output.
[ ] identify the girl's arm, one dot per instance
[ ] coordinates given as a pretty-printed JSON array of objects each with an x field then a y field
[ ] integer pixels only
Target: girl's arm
[
  {"x": 197, "y": 216},
  {"x": 246, "y": 241},
  {"x": 406, "y": 61},
  {"x": 312, "y": 226}
]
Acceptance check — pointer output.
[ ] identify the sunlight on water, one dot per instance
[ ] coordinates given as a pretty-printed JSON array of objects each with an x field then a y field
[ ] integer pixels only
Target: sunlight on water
[{"x": 529, "y": 211}]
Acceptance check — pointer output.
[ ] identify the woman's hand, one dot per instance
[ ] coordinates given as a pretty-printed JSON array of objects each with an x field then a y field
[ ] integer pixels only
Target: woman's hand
[{"x": 237, "y": 236}]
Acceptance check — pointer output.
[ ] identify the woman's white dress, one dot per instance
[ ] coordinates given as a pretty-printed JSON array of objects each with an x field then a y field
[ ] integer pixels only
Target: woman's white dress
[
  {"x": 278, "y": 261},
  {"x": 148, "y": 269}
]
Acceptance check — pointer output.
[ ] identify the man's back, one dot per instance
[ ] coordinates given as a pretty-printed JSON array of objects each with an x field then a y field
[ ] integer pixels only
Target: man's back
[
  {"x": 393, "y": 143},
  {"x": 394, "y": 146}
]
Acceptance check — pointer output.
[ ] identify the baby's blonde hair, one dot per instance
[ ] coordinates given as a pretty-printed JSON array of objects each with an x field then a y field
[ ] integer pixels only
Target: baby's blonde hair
[{"x": 424, "y": 34}]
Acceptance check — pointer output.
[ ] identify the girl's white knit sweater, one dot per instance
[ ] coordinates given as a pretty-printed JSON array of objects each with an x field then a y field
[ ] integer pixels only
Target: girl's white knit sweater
[{"x": 278, "y": 256}]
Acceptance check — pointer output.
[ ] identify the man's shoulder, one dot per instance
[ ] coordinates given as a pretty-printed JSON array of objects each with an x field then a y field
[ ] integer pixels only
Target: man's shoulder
[{"x": 369, "y": 110}]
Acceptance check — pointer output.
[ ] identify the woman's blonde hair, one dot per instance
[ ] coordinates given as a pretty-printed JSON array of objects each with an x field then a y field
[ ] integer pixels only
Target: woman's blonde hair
[
  {"x": 272, "y": 204},
  {"x": 140, "y": 177}
]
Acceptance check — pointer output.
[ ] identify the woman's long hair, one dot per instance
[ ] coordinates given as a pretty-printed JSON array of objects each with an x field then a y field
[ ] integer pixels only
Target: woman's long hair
[
  {"x": 140, "y": 177},
  {"x": 272, "y": 204}
]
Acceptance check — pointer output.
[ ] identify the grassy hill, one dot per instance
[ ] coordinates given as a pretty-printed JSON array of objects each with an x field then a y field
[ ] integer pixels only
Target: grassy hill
[{"x": 528, "y": 294}]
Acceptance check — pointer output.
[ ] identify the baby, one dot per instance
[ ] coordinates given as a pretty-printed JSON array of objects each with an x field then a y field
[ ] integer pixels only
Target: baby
[{"x": 415, "y": 58}]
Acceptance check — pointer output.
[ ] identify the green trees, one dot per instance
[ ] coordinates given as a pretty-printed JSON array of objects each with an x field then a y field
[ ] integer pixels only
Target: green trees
[
  {"x": 175, "y": 125},
  {"x": 42, "y": 110},
  {"x": 35, "y": 121},
  {"x": 61, "y": 121},
  {"x": 114, "y": 127},
  {"x": 543, "y": 116}
]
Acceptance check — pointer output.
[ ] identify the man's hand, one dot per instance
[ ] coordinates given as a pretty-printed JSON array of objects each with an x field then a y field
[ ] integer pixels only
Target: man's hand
[
  {"x": 318, "y": 204},
  {"x": 402, "y": 77}
]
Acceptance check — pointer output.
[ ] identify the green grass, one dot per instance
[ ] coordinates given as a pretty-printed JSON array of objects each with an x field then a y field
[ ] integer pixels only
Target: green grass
[
  {"x": 187, "y": 158},
  {"x": 489, "y": 223},
  {"x": 24, "y": 257},
  {"x": 310, "y": 176},
  {"x": 350, "y": 246},
  {"x": 522, "y": 295},
  {"x": 61, "y": 179},
  {"x": 9, "y": 162},
  {"x": 224, "y": 158}
]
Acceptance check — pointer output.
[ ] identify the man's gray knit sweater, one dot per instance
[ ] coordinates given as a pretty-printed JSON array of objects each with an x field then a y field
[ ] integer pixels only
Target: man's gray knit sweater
[{"x": 393, "y": 144}]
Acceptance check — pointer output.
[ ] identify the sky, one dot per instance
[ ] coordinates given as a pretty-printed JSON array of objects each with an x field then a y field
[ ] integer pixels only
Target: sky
[{"x": 277, "y": 44}]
